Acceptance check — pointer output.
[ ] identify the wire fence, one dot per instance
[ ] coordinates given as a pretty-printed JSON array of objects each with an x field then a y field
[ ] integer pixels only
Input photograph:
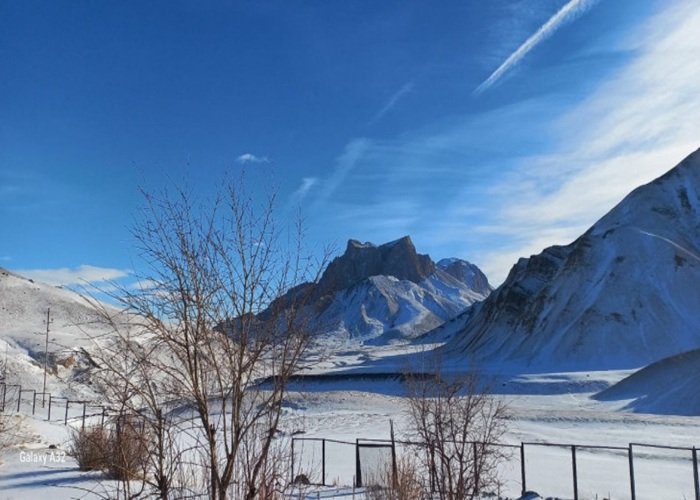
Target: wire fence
[
  {"x": 533, "y": 466},
  {"x": 530, "y": 465},
  {"x": 14, "y": 398}
]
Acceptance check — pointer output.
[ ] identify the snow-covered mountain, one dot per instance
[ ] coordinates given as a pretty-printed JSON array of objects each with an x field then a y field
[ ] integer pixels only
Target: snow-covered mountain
[
  {"x": 622, "y": 295},
  {"x": 23, "y": 313},
  {"x": 379, "y": 293}
]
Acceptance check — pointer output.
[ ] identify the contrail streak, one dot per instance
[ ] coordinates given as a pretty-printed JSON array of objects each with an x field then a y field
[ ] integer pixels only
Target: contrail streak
[{"x": 568, "y": 12}]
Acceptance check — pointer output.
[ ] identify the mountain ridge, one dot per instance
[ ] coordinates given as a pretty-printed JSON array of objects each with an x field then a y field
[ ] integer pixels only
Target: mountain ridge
[{"x": 620, "y": 296}]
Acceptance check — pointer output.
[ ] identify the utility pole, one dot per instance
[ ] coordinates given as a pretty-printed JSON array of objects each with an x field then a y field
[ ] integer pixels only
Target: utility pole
[
  {"x": 4, "y": 366},
  {"x": 46, "y": 354}
]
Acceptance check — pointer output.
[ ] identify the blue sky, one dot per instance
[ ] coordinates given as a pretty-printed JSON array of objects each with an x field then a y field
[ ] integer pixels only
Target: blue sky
[{"x": 485, "y": 130}]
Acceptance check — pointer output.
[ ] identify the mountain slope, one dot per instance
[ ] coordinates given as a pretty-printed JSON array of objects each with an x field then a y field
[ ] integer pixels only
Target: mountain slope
[
  {"x": 622, "y": 295},
  {"x": 379, "y": 293},
  {"x": 23, "y": 308},
  {"x": 668, "y": 386}
]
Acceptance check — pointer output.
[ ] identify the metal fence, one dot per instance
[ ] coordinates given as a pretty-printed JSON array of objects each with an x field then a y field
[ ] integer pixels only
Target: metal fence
[
  {"x": 16, "y": 399},
  {"x": 538, "y": 463},
  {"x": 326, "y": 461}
]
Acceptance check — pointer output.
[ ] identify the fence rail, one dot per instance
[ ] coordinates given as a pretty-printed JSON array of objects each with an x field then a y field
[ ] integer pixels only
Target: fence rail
[
  {"x": 573, "y": 449},
  {"x": 14, "y": 398}
]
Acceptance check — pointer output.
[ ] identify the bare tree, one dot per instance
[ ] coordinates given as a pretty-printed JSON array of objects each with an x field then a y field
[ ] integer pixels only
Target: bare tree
[
  {"x": 211, "y": 340},
  {"x": 459, "y": 426}
]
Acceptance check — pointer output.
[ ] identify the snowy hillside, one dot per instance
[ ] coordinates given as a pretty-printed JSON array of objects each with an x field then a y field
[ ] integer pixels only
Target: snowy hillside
[
  {"x": 380, "y": 293},
  {"x": 23, "y": 313},
  {"x": 622, "y": 295},
  {"x": 668, "y": 386}
]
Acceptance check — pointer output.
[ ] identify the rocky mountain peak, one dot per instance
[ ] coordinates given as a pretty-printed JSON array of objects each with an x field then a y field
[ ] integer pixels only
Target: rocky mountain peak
[
  {"x": 466, "y": 272},
  {"x": 363, "y": 260}
]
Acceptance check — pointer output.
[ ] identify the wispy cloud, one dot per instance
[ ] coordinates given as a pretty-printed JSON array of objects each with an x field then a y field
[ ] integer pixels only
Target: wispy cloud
[
  {"x": 633, "y": 128},
  {"x": 306, "y": 184},
  {"x": 81, "y": 275},
  {"x": 248, "y": 158},
  {"x": 568, "y": 12},
  {"x": 346, "y": 162},
  {"x": 406, "y": 89}
]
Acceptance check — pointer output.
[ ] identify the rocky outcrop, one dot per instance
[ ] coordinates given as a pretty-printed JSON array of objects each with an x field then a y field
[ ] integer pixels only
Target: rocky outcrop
[{"x": 364, "y": 260}]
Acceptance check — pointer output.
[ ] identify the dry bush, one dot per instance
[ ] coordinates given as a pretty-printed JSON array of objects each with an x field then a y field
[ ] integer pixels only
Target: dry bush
[
  {"x": 406, "y": 484},
  {"x": 122, "y": 452},
  {"x": 128, "y": 450},
  {"x": 89, "y": 446}
]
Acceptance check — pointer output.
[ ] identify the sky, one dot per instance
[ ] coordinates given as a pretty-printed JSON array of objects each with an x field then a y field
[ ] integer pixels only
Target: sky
[{"x": 484, "y": 130}]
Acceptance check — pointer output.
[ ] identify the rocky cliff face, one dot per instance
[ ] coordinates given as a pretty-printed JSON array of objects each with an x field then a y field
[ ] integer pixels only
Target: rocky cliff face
[
  {"x": 622, "y": 295},
  {"x": 364, "y": 260}
]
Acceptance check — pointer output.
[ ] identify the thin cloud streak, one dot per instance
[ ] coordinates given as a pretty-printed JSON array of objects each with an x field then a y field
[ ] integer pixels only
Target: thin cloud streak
[
  {"x": 307, "y": 183},
  {"x": 406, "y": 89},
  {"x": 347, "y": 161},
  {"x": 567, "y": 13}
]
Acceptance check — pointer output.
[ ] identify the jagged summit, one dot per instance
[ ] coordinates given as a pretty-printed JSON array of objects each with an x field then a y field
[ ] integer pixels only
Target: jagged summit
[
  {"x": 467, "y": 273},
  {"x": 390, "y": 291},
  {"x": 360, "y": 261},
  {"x": 622, "y": 295}
]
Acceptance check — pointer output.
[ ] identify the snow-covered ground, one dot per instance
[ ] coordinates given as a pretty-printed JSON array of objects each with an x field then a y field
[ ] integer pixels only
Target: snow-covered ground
[{"x": 552, "y": 408}]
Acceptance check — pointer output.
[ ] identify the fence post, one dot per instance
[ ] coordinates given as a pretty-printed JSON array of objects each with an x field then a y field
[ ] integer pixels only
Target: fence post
[
  {"x": 522, "y": 467},
  {"x": 292, "y": 471},
  {"x": 358, "y": 469},
  {"x": 48, "y": 418},
  {"x": 573, "y": 466},
  {"x": 696, "y": 480},
  {"x": 394, "y": 473},
  {"x": 34, "y": 403},
  {"x": 19, "y": 398},
  {"x": 431, "y": 465},
  {"x": 476, "y": 468},
  {"x": 4, "y": 393},
  {"x": 65, "y": 420},
  {"x": 84, "y": 403},
  {"x": 631, "y": 460},
  {"x": 323, "y": 462}
]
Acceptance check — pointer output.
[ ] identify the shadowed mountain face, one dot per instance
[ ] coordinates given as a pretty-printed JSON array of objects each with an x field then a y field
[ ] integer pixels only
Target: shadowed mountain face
[
  {"x": 622, "y": 295},
  {"x": 380, "y": 293}
]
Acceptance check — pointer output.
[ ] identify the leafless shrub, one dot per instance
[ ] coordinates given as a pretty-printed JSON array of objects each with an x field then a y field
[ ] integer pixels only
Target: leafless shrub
[
  {"x": 90, "y": 447},
  {"x": 122, "y": 452},
  {"x": 129, "y": 449},
  {"x": 11, "y": 431},
  {"x": 403, "y": 483},
  {"x": 459, "y": 425}
]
